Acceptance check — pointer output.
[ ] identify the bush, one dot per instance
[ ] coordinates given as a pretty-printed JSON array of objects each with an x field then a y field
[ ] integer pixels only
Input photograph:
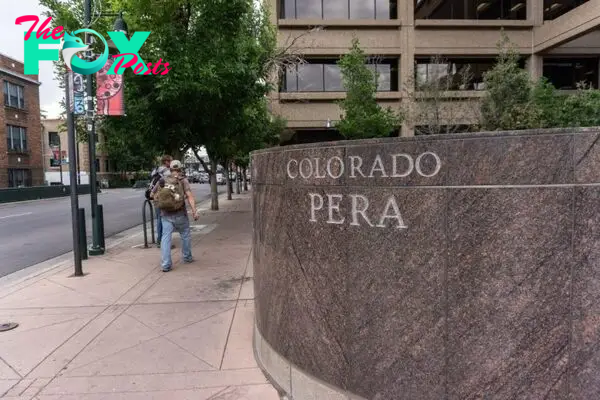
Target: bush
[{"x": 508, "y": 103}]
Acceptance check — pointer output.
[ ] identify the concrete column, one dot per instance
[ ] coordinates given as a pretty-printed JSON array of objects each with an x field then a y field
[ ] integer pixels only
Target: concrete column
[
  {"x": 535, "y": 12},
  {"x": 407, "y": 59},
  {"x": 274, "y": 10},
  {"x": 535, "y": 66}
]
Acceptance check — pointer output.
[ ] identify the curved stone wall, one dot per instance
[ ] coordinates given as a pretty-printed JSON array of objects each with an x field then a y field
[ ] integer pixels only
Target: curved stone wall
[{"x": 440, "y": 267}]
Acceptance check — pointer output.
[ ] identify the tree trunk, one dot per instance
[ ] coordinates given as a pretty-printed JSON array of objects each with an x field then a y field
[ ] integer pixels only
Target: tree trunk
[
  {"x": 214, "y": 193},
  {"x": 245, "y": 180},
  {"x": 237, "y": 180},
  {"x": 227, "y": 180}
]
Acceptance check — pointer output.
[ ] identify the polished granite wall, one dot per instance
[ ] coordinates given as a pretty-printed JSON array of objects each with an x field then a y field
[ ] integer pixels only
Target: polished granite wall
[{"x": 484, "y": 283}]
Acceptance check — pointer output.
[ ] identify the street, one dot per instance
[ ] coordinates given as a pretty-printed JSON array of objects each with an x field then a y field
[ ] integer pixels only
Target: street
[{"x": 33, "y": 232}]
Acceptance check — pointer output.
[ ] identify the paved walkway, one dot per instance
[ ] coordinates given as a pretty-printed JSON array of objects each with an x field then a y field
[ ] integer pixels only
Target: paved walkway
[{"x": 128, "y": 331}]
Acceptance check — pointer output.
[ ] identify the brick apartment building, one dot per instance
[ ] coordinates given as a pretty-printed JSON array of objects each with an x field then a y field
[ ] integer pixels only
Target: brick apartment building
[
  {"x": 558, "y": 39},
  {"x": 20, "y": 127}
]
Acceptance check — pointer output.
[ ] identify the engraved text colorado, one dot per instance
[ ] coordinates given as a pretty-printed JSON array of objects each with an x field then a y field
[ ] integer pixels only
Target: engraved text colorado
[{"x": 357, "y": 211}]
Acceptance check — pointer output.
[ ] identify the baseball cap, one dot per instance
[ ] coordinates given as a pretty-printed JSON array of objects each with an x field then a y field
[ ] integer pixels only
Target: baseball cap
[{"x": 175, "y": 164}]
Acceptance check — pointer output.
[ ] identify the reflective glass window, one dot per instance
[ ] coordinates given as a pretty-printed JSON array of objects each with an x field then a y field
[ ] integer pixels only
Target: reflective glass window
[
  {"x": 333, "y": 78},
  {"x": 310, "y": 78},
  {"x": 382, "y": 9},
  {"x": 335, "y": 9},
  {"x": 362, "y": 9},
  {"x": 309, "y": 9}
]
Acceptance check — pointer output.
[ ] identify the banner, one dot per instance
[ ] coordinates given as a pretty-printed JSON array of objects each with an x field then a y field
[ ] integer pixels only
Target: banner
[
  {"x": 58, "y": 157},
  {"x": 77, "y": 87},
  {"x": 109, "y": 92}
]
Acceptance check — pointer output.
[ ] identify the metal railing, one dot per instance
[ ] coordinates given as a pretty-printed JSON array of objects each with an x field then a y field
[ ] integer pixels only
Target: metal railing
[{"x": 152, "y": 216}]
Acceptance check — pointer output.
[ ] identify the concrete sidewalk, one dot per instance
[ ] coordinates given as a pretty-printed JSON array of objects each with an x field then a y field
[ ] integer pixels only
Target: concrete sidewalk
[{"x": 128, "y": 331}]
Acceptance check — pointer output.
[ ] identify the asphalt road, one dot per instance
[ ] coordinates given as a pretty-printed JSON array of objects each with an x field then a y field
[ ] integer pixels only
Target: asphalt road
[{"x": 33, "y": 232}]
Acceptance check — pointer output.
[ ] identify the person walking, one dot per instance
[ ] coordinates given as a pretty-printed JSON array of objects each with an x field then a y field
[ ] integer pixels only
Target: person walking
[
  {"x": 171, "y": 194},
  {"x": 160, "y": 173}
]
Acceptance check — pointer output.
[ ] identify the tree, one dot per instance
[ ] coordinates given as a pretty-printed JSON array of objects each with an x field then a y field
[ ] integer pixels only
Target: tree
[
  {"x": 433, "y": 106},
  {"x": 508, "y": 103},
  {"x": 363, "y": 117}
]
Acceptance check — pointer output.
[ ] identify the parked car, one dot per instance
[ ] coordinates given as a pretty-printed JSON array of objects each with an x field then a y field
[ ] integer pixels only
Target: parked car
[
  {"x": 194, "y": 178},
  {"x": 203, "y": 177},
  {"x": 220, "y": 178}
]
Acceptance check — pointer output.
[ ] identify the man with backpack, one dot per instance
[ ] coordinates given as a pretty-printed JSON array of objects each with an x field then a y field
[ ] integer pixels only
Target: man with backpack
[
  {"x": 171, "y": 193},
  {"x": 161, "y": 172}
]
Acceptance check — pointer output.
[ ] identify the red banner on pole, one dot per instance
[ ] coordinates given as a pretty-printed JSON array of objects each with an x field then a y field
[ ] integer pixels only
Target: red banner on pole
[{"x": 109, "y": 92}]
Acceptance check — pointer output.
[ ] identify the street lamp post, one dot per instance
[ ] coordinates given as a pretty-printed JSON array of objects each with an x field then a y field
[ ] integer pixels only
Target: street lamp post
[
  {"x": 75, "y": 221},
  {"x": 97, "y": 225}
]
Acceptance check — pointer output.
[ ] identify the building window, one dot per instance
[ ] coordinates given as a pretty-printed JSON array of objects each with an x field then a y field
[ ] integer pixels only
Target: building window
[
  {"x": 326, "y": 76},
  {"x": 106, "y": 169},
  {"x": 555, "y": 8},
  {"x": 338, "y": 9},
  {"x": 453, "y": 73},
  {"x": 16, "y": 138},
  {"x": 19, "y": 177},
  {"x": 568, "y": 73},
  {"x": 13, "y": 95},
  {"x": 53, "y": 139},
  {"x": 471, "y": 9}
]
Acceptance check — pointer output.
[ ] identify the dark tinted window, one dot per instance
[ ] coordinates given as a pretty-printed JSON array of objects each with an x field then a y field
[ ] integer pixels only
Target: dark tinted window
[
  {"x": 19, "y": 177},
  {"x": 338, "y": 9},
  {"x": 566, "y": 73},
  {"x": 555, "y": 8},
  {"x": 471, "y": 9}
]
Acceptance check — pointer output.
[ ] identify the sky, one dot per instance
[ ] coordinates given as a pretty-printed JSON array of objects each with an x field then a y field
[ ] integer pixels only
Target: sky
[{"x": 10, "y": 45}]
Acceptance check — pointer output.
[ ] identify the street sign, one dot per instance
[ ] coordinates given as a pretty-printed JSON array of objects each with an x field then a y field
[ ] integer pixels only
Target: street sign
[{"x": 76, "y": 83}]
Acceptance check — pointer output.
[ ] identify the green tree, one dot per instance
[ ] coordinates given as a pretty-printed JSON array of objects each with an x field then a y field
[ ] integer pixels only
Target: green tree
[
  {"x": 220, "y": 52},
  {"x": 363, "y": 117},
  {"x": 508, "y": 103}
]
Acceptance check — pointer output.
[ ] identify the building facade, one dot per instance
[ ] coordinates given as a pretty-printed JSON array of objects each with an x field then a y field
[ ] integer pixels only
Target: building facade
[
  {"x": 21, "y": 146},
  {"x": 557, "y": 39},
  {"x": 56, "y": 151}
]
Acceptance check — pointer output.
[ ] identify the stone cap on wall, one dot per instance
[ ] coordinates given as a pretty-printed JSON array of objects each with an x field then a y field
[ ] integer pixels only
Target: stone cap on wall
[{"x": 566, "y": 156}]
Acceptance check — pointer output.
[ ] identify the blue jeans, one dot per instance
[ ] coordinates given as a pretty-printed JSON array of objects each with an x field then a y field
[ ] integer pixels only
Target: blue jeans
[
  {"x": 181, "y": 224},
  {"x": 159, "y": 228}
]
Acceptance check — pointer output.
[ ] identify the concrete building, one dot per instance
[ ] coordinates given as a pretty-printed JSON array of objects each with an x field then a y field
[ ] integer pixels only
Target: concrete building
[
  {"x": 56, "y": 142},
  {"x": 558, "y": 39},
  {"x": 21, "y": 145}
]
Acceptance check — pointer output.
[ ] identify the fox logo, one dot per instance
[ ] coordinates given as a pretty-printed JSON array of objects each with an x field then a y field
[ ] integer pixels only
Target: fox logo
[{"x": 70, "y": 46}]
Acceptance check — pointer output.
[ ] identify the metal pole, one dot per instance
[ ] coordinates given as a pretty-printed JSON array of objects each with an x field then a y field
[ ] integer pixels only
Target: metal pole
[
  {"x": 100, "y": 214},
  {"x": 95, "y": 249},
  {"x": 73, "y": 183},
  {"x": 78, "y": 167},
  {"x": 144, "y": 223},
  {"x": 82, "y": 234},
  {"x": 60, "y": 159}
]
